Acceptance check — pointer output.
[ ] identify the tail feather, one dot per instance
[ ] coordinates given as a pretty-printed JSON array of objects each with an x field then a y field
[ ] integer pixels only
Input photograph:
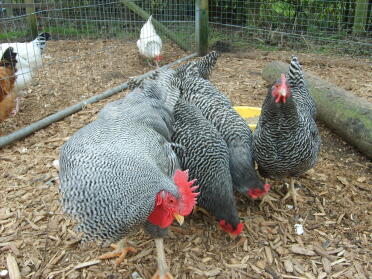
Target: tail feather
[
  {"x": 41, "y": 40},
  {"x": 204, "y": 65},
  {"x": 9, "y": 58},
  {"x": 295, "y": 74},
  {"x": 43, "y": 36}
]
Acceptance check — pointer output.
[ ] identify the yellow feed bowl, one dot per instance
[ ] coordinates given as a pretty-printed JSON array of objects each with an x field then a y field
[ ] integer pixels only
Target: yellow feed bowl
[{"x": 250, "y": 114}]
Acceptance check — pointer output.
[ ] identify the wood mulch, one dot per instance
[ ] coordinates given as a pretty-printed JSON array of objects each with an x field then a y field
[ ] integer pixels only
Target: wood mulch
[{"x": 37, "y": 238}]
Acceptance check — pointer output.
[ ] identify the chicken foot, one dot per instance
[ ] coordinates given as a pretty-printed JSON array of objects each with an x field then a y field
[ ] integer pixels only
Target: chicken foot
[
  {"x": 291, "y": 192},
  {"x": 162, "y": 272},
  {"x": 16, "y": 109},
  {"x": 267, "y": 198},
  {"x": 120, "y": 251}
]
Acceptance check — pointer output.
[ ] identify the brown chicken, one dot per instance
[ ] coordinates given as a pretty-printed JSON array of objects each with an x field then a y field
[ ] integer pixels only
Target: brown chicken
[{"x": 7, "y": 81}]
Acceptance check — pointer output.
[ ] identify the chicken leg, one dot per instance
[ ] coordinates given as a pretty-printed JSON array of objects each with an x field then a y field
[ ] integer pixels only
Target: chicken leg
[
  {"x": 16, "y": 108},
  {"x": 120, "y": 252},
  {"x": 268, "y": 199},
  {"x": 291, "y": 192},
  {"x": 162, "y": 272}
]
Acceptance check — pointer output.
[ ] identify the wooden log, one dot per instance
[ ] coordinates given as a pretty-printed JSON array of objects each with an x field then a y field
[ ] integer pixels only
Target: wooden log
[
  {"x": 346, "y": 114},
  {"x": 159, "y": 26}
]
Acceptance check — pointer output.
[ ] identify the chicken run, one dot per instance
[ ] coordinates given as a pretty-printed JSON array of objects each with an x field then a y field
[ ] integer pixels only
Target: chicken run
[{"x": 327, "y": 235}]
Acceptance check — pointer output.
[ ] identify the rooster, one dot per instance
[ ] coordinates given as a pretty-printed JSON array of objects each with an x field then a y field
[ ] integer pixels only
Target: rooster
[
  {"x": 149, "y": 43},
  {"x": 120, "y": 171},
  {"x": 7, "y": 80},
  {"x": 286, "y": 140},
  {"x": 29, "y": 58}
]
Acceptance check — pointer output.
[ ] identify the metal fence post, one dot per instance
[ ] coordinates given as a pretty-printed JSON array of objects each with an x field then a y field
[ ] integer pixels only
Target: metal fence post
[
  {"x": 31, "y": 16},
  {"x": 201, "y": 22}
]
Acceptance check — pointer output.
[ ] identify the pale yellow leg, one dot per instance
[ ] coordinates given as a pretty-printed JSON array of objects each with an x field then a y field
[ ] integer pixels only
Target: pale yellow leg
[
  {"x": 291, "y": 192},
  {"x": 162, "y": 272},
  {"x": 267, "y": 198}
]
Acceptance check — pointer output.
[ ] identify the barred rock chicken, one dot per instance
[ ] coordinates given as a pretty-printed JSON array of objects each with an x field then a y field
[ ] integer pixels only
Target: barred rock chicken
[
  {"x": 203, "y": 151},
  {"x": 149, "y": 43},
  {"x": 7, "y": 80},
  {"x": 217, "y": 108},
  {"x": 29, "y": 58},
  {"x": 286, "y": 140},
  {"x": 119, "y": 171}
]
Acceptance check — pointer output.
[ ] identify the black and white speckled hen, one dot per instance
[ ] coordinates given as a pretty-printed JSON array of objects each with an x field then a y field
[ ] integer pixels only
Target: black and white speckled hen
[
  {"x": 286, "y": 140},
  {"x": 120, "y": 171},
  {"x": 217, "y": 108},
  {"x": 203, "y": 151}
]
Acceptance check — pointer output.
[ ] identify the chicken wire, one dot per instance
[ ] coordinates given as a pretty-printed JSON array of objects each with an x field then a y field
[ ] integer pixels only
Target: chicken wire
[
  {"x": 78, "y": 24},
  {"x": 95, "y": 19},
  {"x": 332, "y": 25}
]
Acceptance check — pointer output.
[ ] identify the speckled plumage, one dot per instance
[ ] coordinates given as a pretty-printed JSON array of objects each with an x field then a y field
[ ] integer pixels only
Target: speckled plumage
[
  {"x": 203, "y": 65},
  {"x": 286, "y": 140},
  {"x": 112, "y": 169},
  {"x": 204, "y": 152},
  {"x": 217, "y": 108}
]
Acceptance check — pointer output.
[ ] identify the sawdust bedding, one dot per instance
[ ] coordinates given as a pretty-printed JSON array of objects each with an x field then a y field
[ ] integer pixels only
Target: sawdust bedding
[{"x": 335, "y": 212}]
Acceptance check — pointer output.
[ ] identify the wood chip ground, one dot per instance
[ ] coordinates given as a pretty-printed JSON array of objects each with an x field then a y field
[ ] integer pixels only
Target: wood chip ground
[{"x": 38, "y": 241}]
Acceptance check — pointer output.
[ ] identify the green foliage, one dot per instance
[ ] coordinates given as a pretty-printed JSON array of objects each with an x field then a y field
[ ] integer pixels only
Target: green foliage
[{"x": 13, "y": 35}]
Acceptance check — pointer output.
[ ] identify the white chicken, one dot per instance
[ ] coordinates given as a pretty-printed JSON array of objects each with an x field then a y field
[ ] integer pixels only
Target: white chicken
[
  {"x": 149, "y": 43},
  {"x": 29, "y": 58}
]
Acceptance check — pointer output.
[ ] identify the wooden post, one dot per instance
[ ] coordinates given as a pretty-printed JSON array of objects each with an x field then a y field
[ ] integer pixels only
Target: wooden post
[
  {"x": 360, "y": 17},
  {"x": 31, "y": 17},
  {"x": 9, "y": 11},
  {"x": 201, "y": 22},
  {"x": 136, "y": 9},
  {"x": 348, "y": 115}
]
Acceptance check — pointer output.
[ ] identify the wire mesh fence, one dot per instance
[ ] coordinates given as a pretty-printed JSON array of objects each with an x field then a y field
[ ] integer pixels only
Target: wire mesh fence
[
  {"x": 333, "y": 25},
  {"x": 76, "y": 19},
  {"x": 87, "y": 36}
]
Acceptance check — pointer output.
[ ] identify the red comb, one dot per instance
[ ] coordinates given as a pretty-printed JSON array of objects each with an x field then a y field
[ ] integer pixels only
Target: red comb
[
  {"x": 229, "y": 229},
  {"x": 255, "y": 193},
  {"x": 188, "y": 196}
]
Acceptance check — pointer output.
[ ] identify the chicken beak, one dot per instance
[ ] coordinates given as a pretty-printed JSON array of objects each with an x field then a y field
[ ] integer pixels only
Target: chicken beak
[{"x": 179, "y": 218}]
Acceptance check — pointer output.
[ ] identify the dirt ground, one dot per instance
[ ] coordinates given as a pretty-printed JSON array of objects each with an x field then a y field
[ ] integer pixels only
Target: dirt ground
[{"x": 335, "y": 212}]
